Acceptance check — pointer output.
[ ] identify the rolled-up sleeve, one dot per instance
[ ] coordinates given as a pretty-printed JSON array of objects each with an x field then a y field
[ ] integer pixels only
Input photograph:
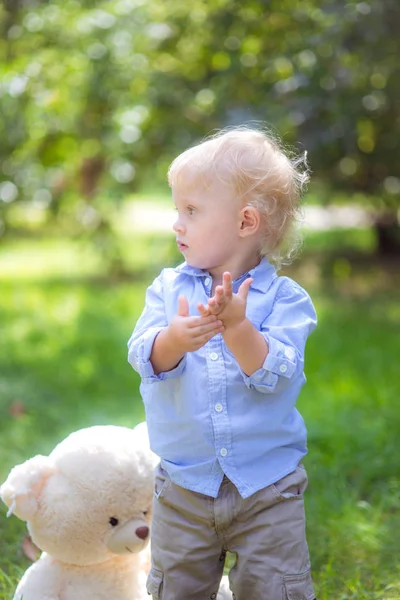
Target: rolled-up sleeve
[
  {"x": 150, "y": 323},
  {"x": 286, "y": 330}
]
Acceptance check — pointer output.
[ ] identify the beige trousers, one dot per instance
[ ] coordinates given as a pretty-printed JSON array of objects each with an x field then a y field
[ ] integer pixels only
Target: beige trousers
[{"x": 191, "y": 533}]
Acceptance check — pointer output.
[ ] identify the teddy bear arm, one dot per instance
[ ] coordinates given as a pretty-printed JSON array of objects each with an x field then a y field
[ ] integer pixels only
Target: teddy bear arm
[{"x": 42, "y": 581}]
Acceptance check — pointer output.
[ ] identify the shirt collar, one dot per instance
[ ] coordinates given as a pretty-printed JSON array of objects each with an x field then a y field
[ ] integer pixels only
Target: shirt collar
[
  {"x": 263, "y": 274},
  {"x": 193, "y": 271}
]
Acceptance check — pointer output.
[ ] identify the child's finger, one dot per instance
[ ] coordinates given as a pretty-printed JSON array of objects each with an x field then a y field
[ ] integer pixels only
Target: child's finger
[
  {"x": 219, "y": 294},
  {"x": 205, "y": 337},
  {"x": 183, "y": 306},
  {"x": 212, "y": 307},
  {"x": 206, "y": 329},
  {"x": 192, "y": 322},
  {"x": 227, "y": 284},
  {"x": 243, "y": 290},
  {"x": 203, "y": 310}
]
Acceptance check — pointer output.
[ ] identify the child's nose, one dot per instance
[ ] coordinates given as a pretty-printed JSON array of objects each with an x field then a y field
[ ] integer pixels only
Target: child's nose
[{"x": 177, "y": 226}]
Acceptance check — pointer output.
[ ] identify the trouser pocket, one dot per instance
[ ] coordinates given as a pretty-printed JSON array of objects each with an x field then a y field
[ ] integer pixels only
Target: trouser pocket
[
  {"x": 298, "y": 586},
  {"x": 291, "y": 486},
  {"x": 155, "y": 583},
  {"x": 161, "y": 482}
]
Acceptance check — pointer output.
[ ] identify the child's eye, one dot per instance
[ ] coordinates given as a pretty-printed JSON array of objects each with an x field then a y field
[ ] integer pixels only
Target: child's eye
[{"x": 190, "y": 210}]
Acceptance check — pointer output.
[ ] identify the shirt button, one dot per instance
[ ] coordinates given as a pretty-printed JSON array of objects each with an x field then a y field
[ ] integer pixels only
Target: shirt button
[
  {"x": 283, "y": 368},
  {"x": 214, "y": 356},
  {"x": 218, "y": 407},
  {"x": 223, "y": 452},
  {"x": 207, "y": 280}
]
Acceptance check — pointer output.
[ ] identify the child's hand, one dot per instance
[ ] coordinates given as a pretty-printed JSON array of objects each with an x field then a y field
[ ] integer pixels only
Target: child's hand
[
  {"x": 191, "y": 333},
  {"x": 230, "y": 307}
]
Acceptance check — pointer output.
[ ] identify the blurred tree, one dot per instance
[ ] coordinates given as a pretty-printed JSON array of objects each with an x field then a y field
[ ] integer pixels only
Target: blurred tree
[
  {"x": 97, "y": 95},
  {"x": 69, "y": 121},
  {"x": 325, "y": 73}
]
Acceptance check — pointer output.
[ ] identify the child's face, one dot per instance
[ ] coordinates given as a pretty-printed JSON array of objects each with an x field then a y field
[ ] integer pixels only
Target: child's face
[{"x": 208, "y": 225}]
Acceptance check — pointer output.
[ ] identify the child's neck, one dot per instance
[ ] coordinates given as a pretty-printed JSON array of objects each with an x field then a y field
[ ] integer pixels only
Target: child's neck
[{"x": 236, "y": 270}]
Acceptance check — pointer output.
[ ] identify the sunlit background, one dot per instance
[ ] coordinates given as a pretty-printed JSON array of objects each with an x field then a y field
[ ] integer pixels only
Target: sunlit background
[{"x": 96, "y": 99}]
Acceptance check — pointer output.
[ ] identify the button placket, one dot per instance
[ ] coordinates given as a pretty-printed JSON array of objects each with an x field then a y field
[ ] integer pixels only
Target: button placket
[{"x": 217, "y": 398}]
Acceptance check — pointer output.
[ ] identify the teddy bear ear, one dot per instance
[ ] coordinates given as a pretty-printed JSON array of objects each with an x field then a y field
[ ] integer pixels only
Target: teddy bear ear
[{"x": 21, "y": 490}]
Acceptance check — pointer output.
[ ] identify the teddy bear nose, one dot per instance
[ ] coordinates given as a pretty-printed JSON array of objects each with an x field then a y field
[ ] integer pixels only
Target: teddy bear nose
[{"x": 142, "y": 532}]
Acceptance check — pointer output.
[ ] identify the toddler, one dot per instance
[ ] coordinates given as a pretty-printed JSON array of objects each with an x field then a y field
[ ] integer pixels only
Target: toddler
[{"x": 220, "y": 351}]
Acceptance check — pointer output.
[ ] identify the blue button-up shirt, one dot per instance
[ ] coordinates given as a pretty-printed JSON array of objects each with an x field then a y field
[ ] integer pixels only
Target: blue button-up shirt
[{"x": 206, "y": 417}]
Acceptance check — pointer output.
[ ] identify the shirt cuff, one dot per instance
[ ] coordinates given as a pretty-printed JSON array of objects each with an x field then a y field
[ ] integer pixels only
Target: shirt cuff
[
  {"x": 280, "y": 362},
  {"x": 281, "y": 358},
  {"x": 140, "y": 359}
]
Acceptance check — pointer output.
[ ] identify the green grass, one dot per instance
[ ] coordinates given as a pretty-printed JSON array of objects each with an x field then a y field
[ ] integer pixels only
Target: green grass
[{"x": 64, "y": 328}]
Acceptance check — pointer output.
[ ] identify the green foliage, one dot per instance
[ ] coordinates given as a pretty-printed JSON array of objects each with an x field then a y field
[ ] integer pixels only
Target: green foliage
[
  {"x": 353, "y": 496},
  {"x": 63, "y": 366},
  {"x": 97, "y": 96}
]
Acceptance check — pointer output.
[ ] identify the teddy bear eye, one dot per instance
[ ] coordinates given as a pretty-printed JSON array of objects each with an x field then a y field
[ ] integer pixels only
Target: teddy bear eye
[
  {"x": 113, "y": 521},
  {"x": 145, "y": 512}
]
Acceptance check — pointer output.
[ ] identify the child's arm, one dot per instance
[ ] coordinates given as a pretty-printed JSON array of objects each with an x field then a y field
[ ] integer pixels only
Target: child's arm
[
  {"x": 248, "y": 346},
  {"x": 244, "y": 341},
  {"x": 183, "y": 334},
  {"x": 156, "y": 346},
  {"x": 272, "y": 357}
]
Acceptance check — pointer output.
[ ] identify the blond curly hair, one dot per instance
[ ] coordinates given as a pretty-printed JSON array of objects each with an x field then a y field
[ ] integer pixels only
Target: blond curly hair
[{"x": 264, "y": 175}]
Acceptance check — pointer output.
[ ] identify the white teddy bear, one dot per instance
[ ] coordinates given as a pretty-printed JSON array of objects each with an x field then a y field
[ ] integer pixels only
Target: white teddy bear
[{"x": 88, "y": 508}]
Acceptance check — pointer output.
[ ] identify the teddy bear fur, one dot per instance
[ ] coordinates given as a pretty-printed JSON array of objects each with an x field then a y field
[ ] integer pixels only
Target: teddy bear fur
[{"x": 88, "y": 508}]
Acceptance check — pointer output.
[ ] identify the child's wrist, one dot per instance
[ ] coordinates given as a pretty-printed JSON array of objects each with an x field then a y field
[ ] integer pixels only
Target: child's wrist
[
  {"x": 171, "y": 345},
  {"x": 234, "y": 331}
]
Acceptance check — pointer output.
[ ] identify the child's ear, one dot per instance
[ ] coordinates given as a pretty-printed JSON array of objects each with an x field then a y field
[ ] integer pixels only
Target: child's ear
[{"x": 250, "y": 221}]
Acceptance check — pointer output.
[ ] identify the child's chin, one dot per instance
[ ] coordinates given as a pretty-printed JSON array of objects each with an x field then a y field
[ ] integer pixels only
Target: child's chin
[{"x": 197, "y": 264}]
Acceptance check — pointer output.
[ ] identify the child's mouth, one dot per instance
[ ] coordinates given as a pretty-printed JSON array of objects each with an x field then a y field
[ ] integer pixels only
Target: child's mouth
[{"x": 182, "y": 247}]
